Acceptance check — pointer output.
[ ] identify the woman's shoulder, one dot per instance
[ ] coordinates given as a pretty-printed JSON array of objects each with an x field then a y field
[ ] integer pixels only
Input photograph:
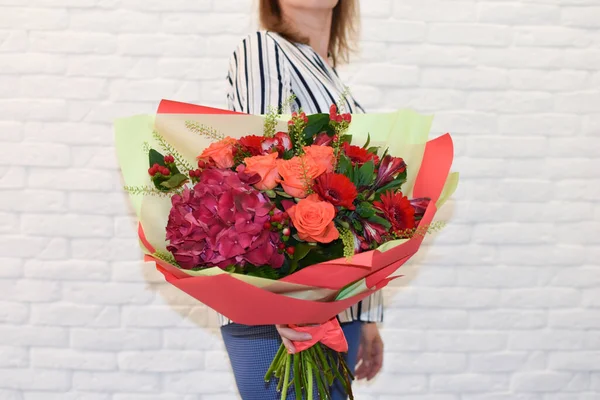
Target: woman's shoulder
[{"x": 259, "y": 41}]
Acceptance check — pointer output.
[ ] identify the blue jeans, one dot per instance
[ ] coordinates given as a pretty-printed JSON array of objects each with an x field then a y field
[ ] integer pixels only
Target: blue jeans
[{"x": 252, "y": 348}]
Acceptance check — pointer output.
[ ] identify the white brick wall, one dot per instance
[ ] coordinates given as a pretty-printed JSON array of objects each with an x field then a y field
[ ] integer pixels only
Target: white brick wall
[{"x": 506, "y": 303}]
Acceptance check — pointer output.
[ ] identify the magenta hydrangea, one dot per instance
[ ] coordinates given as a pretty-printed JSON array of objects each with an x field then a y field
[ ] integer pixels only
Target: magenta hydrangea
[{"x": 220, "y": 222}]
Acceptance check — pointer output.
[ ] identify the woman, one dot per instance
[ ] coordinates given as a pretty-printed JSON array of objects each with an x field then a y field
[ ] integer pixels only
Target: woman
[{"x": 296, "y": 55}]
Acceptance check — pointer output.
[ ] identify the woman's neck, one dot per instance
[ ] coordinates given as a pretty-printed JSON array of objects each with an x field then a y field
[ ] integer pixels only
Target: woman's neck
[{"x": 313, "y": 24}]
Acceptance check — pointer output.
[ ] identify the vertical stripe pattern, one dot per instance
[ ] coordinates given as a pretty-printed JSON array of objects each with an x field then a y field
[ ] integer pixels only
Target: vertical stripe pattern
[{"x": 264, "y": 71}]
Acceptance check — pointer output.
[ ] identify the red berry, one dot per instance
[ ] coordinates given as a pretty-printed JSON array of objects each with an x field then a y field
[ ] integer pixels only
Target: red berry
[
  {"x": 339, "y": 118},
  {"x": 294, "y": 114},
  {"x": 285, "y": 215},
  {"x": 276, "y": 217},
  {"x": 286, "y": 231},
  {"x": 267, "y": 225},
  {"x": 281, "y": 246},
  {"x": 302, "y": 115},
  {"x": 290, "y": 122},
  {"x": 150, "y": 171},
  {"x": 192, "y": 173},
  {"x": 290, "y": 250},
  {"x": 305, "y": 119},
  {"x": 333, "y": 109},
  {"x": 347, "y": 117}
]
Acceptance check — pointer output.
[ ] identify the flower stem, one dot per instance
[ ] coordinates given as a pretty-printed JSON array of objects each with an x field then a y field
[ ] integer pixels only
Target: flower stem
[
  {"x": 286, "y": 377},
  {"x": 309, "y": 378},
  {"x": 275, "y": 363}
]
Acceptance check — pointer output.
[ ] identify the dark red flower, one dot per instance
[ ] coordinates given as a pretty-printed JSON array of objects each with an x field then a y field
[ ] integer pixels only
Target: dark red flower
[
  {"x": 388, "y": 169},
  {"x": 220, "y": 222},
  {"x": 336, "y": 189},
  {"x": 420, "y": 205},
  {"x": 373, "y": 232},
  {"x": 397, "y": 210},
  {"x": 280, "y": 142},
  {"x": 358, "y": 155},
  {"x": 252, "y": 144},
  {"x": 323, "y": 139}
]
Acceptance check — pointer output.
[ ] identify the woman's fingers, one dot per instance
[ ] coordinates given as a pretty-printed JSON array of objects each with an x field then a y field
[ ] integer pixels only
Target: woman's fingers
[
  {"x": 291, "y": 334},
  {"x": 376, "y": 358}
]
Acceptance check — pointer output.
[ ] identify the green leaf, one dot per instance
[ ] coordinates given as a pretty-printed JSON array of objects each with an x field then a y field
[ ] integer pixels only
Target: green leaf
[
  {"x": 368, "y": 141},
  {"x": 288, "y": 154},
  {"x": 302, "y": 250},
  {"x": 345, "y": 166},
  {"x": 373, "y": 150},
  {"x": 365, "y": 210},
  {"x": 282, "y": 194},
  {"x": 393, "y": 185},
  {"x": 263, "y": 272},
  {"x": 156, "y": 158},
  {"x": 346, "y": 139},
  {"x": 365, "y": 174},
  {"x": 174, "y": 181},
  {"x": 380, "y": 220},
  {"x": 271, "y": 194},
  {"x": 316, "y": 123}
]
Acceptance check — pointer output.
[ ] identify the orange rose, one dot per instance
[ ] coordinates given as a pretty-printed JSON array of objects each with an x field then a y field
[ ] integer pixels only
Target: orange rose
[
  {"x": 313, "y": 219},
  {"x": 298, "y": 174},
  {"x": 266, "y": 167},
  {"x": 322, "y": 155},
  {"x": 220, "y": 152}
]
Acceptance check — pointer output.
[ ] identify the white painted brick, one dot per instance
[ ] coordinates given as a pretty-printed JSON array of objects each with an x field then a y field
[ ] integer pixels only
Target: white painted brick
[
  {"x": 87, "y": 179},
  {"x": 464, "y": 121},
  {"x": 64, "y": 314},
  {"x": 586, "y": 59},
  {"x": 103, "y": 293},
  {"x": 72, "y": 359},
  {"x": 574, "y": 319},
  {"x": 392, "y": 31},
  {"x": 91, "y": 270},
  {"x": 187, "y": 23},
  {"x": 540, "y": 298},
  {"x": 115, "y": 381},
  {"x": 552, "y": 37},
  {"x": 36, "y": 154},
  {"x": 515, "y": 57},
  {"x": 470, "y": 34},
  {"x": 11, "y": 267},
  {"x": 126, "y": 227},
  {"x": 55, "y": 249},
  {"x": 502, "y": 396},
  {"x": 480, "y": 78},
  {"x": 497, "y": 362},
  {"x": 38, "y": 379},
  {"x": 563, "y": 80},
  {"x": 162, "y": 396},
  {"x": 431, "y": 55},
  {"x": 161, "y": 45},
  {"x": 10, "y": 394},
  {"x": 153, "y": 316},
  {"x": 586, "y": 17},
  {"x": 422, "y": 397},
  {"x": 217, "y": 360},
  {"x": 115, "y": 339},
  {"x": 98, "y": 203},
  {"x": 457, "y": 298},
  {"x": 510, "y": 102},
  {"x": 161, "y": 361},
  {"x": 380, "y": 74},
  {"x": 465, "y": 383},
  {"x": 29, "y": 290},
  {"x": 33, "y": 18},
  {"x": 387, "y": 383},
  {"x": 435, "y": 10},
  {"x": 591, "y": 340},
  {"x": 590, "y": 298},
  {"x": 34, "y": 201},
  {"x": 113, "y": 249},
  {"x": 595, "y": 381},
  {"x": 199, "y": 382},
  {"x": 543, "y": 381},
  {"x": 465, "y": 342},
  {"x": 575, "y": 361},
  {"x": 79, "y": 133},
  {"x": 546, "y": 340},
  {"x": 427, "y": 319},
  {"x": 117, "y": 20},
  {"x": 71, "y": 395},
  {"x": 70, "y": 225},
  {"x": 14, "y": 357},
  {"x": 67, "y": 42},
  {"x": 507, "y": 319},
  {"x": 485, "y": 146},
  {"x": 525, "y": 14},
  {"x": 426, "y": 363},
  {"x": 71, "y": 88},
  {"x": 497, "y": 277}
]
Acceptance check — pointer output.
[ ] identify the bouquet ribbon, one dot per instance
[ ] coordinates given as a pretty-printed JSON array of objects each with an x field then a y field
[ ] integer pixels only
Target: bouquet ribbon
[{"x": 329, "y": 334}]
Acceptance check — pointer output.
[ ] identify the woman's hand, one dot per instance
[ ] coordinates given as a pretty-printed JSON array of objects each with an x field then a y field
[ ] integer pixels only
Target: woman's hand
[
  {"x": 288, "y": 334},
  {"x": 370, "y": 352}
]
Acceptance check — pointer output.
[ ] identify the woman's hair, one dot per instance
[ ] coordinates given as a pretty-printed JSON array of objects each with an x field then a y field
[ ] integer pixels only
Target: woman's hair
[{"x": 344, "y": 27}]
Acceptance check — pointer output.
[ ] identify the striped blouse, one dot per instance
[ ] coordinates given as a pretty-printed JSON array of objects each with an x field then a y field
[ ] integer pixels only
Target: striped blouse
[{"x": 265, "y": 70}]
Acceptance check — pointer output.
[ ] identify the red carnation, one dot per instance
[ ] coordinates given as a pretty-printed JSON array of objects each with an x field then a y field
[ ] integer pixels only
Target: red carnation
[
  {"x": 397, "y": 210},
  {"x": 336, "y": 189},
  {"x": 358, "y": 155},
  {"x": 252, "y": 144}
]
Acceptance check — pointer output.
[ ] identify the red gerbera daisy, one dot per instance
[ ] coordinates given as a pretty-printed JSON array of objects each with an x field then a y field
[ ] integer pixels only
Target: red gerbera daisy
[
  {"x": 337, "y": 189},
  {"x": 397, "y": 210},
  {"x": 358, "y": 155},
  {"x": 252, "y": 144}
]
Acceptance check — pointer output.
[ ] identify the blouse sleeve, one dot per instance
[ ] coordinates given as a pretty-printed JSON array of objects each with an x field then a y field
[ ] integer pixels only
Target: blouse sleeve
[{"x": 258, "y": 75}]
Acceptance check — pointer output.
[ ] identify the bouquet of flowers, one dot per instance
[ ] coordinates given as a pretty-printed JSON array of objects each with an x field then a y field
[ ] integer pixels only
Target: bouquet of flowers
[{"x": 301, "y": 216}]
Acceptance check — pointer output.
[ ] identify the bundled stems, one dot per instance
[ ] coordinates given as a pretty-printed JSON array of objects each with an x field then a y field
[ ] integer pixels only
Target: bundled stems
[{"x": 318, "y": 365}]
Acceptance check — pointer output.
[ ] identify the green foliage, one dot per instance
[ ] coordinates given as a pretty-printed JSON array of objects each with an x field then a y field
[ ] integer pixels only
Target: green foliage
[
  {"x": 393, "y": 185},
  {"x": 366, "y": 145},
  {"x": 174, "y": 181},
  {"x": 317, "y": 123},
  {"x": 156, "y": 158},
  {"x": 366, "y": 209},
  {"x": 264, "y": 271},
  {"x": 364, "y": 175},
  {"x": 302, "y": 250}
]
